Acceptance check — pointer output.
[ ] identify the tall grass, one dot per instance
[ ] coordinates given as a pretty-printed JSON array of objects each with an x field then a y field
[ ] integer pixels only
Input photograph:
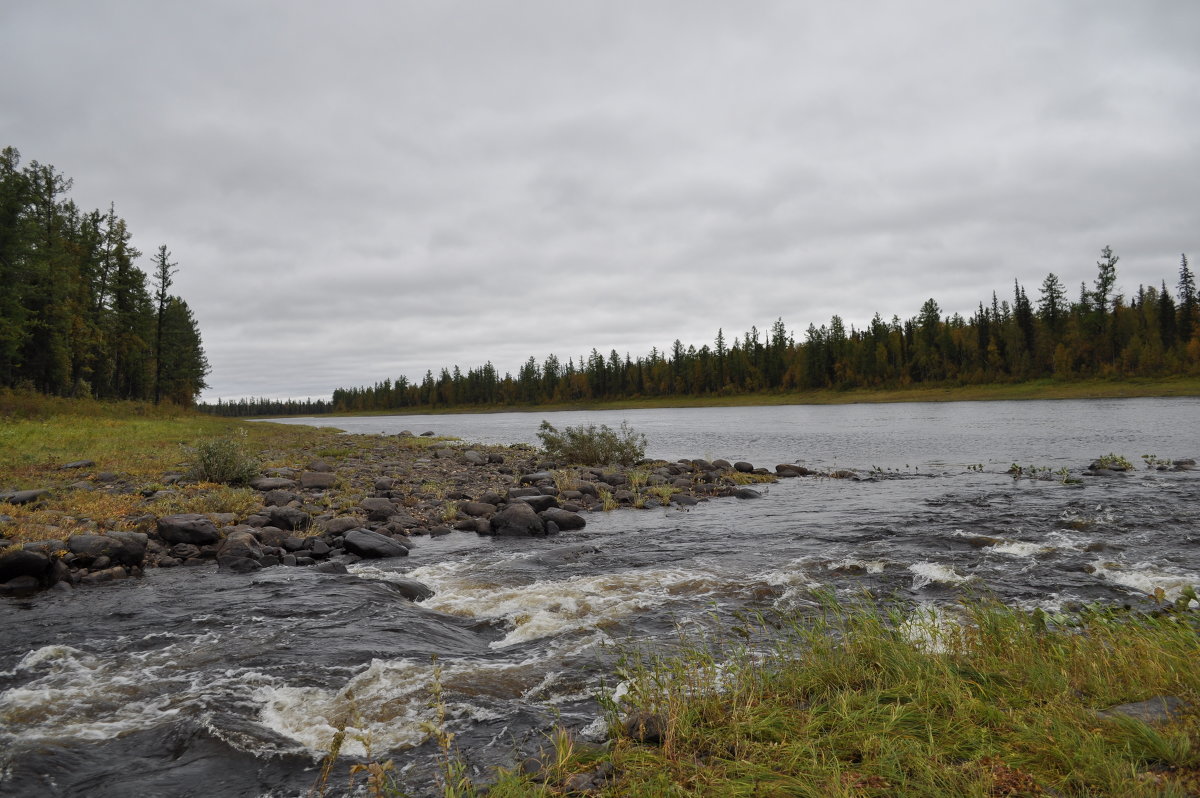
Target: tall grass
[{"x": 863, "y": 700}]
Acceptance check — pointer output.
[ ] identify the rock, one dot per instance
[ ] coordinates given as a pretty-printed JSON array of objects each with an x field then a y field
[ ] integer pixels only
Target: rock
[
  {"x": 563, "y": 519},
  {"x": 289, "y": 518},
  {"x": 20, "y": 585},
  {"x": 342, "y": 524},
  {"x": 747, "y": 493},
  {"x": 240, "y": 552},
  {"x": 474, "y": 458},
  {"x": 649, "y": 728},
  {"x": 125, "y": 548},
  {"x": 428, "y": 434},
  {"x": 378, "y": 509},
  {"x": 477, "y": 509},
  {"x": 79, "y": 464},
  {"x": 188, "y": 528},
  {"x": 107, "y": 477},
  {"x": 411, "y": 589},
  {"x": 791, "y": 470},
  {"x": 743, "y": 467},
  {"x": 279, "y": 498},
  {"x": 23, "y": 496},
  {"x": 272, "y": 483},
  {"x": 384, "y": 484},
  {"x": 320, "y": 465},
  {"x": 107, "y": 575},
  {"x": 18, "y": 563},
  {"x": 372, "y": 545},
  {"x": 317, "y": 480},
  {"x": 317, "y": 547},
  {"x": 331, "y": 568},
  {"x": 538, "y": 503},
  {"x": 724, "y": 465},
  {"x": 518, "y": 518},
  {"x": 185, "y": 551},
  {"x": 535, "y": 477},
  {"x": 684, "y": 500},
  {"x": 1153, "y": 711}
]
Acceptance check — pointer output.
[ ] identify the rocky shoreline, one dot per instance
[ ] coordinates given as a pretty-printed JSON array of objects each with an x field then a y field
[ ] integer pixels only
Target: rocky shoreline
[{"x": 370, "y": 501}]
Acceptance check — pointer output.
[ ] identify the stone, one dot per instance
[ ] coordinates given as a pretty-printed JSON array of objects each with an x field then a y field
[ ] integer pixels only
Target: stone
[
  {"x": 331, "y": 568},
  {"x": 79, "y": 464},
  {"x": 125, "y": 548},
  {"x": 724, "y": 465},
  {"x": 23, "y": 496},
  {"x": 240, "y": 551},
  {"x": 747, "y": 493},
  {"x": 518, "y": 518},
  {"x": 372, "y": 545},
  {"x": 643, "y": 726},
  {"x": 474, "y": 458},
  {"x": 477, "y": 509},
  {"x": 320, "y": 465},
  {"x": 317, "y": 480},
  {"x": 188, "y": 528},
  {"x": 411, "y": 589},
  {"x": 538, "y": 503},
  {"x": 107, "y": 575},
  {"x": 279, "y": 498},
  {"x": 535, "y": 477},
  {"x": 185, "y": 551},
  {"x": 563, "y": 519},
  {"x": 290, "y": 518},
  {"x": 378, "y": 509},
  {"x": 1153, "y": 711},
  {"x": 272, "y": 483},
  {"x": 17, "y": 563},
  {"x": 684, "y": 500},
  {"x": 342, "y": 524},
  {"x": 19, "y": 585},
  {"x": 742, "y": 467}
]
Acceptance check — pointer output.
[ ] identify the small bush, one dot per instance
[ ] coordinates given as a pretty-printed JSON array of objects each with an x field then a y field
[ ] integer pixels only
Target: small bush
[
  {"x": 224, "y": 460},
  {"x": 592, "y": 445}
]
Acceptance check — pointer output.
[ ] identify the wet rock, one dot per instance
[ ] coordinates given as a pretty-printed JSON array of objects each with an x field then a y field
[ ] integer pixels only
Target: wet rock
[
  {"x": 1153, "y": 711},
  {"x": 188, "y": 528},
  {"x": 106, "y": 575},
  {"x": 125, "y": 548},
  {"x": 684, "y": 500},
  {"x": 272, "y": 483},
  {"x": 566, "y": 554},
  {"x": 372, "y": 545},
  {"x": 18, "y": 563},
  {"x": 184, "y": 551},
  {"x": 517, "y": 519},
  {"x": 411, "y": 589},
  {"x": 743, "y": 467},
  {"x": 563, "y": 519},
  {"x": 23, "y": 496},
  {"x": 331, "y": 568},
  {"x": 747, "y": 493},
  {"x": 240, "y": 552},
  {"x": 317, "y": 480},
  {"x": 20, "y": 585}
]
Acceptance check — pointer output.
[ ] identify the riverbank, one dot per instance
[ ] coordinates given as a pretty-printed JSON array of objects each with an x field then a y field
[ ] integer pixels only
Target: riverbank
[
  {"x": 93, "y": 498},
  {"x": 996, "y": 392}
]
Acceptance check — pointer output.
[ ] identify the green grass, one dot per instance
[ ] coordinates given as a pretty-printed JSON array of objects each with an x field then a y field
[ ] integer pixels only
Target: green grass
[{"x": 866, "y": 701}]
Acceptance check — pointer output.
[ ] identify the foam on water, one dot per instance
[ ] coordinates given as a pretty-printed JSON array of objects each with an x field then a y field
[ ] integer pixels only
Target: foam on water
[
  {"x": 927, "y": 573},
  {"x": 1146, "y": 577}
]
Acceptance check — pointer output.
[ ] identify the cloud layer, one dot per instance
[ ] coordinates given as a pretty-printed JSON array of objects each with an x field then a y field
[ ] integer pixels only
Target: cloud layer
[{"x": 378, "y": 189}]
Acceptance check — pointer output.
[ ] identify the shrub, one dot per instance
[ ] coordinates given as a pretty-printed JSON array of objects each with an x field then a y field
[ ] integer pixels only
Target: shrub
[
  {"x": 592, "y": 445},
  {"x": 224, "y": 460}
]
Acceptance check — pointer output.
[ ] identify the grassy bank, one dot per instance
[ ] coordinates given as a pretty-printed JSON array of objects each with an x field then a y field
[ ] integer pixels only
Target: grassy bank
[
  {"x": 1037, "y": 389},
  {"x": 861, "y": 701}
]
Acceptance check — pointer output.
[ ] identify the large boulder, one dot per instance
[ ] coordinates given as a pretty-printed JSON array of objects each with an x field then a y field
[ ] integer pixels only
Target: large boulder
[
  {"x": 563, "y": 519},
  {"x": 372, "y": 545},
  {"x": 240, "y": 551},
  {"x": 517, "y": 519},
  {"x": 18, "y": 563},
  {"x": 188, "y": 528},
  {"x": 290, "y": 518},
  {"x": 124, "y": 548}
]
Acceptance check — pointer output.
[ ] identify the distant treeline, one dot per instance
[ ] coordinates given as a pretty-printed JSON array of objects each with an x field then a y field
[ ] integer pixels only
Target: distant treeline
[
  {"x": 77, "y": 316},
  {"x": 1153, "y": 333},
  {"x": 268, "y": 407}
]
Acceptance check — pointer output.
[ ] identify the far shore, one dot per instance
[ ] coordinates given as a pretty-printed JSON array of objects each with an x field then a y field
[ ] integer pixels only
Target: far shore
[{"x": 993, "y": 392}]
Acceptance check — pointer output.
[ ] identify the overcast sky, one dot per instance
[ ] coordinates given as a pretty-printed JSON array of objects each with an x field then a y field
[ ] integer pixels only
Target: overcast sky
[{"x": 361, "y": 190}]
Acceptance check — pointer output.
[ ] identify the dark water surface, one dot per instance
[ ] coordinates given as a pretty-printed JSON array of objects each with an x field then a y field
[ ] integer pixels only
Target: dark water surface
[{"x": 190, "y": 682}]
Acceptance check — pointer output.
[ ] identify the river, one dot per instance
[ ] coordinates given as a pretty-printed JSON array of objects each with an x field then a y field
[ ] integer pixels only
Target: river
[{"x": 192, "y": 682}]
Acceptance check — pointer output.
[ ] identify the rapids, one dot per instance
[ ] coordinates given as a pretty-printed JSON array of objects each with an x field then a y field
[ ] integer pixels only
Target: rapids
[{"x": 193, "y": 682}]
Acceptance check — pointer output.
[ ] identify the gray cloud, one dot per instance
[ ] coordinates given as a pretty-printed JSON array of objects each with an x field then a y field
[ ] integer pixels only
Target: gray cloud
[{"x": 375, "y": 189}]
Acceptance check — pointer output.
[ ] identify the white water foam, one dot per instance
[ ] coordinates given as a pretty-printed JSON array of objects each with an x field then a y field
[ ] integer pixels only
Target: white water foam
[
  {"x": 1146, "y": 577},
  {"x": 927, "y": 573}
]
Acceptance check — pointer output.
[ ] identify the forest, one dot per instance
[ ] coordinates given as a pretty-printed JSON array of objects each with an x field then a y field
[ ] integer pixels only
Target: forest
[
  {"x": 1099, "y": 333},
  {"x": 78, "y": 317}
]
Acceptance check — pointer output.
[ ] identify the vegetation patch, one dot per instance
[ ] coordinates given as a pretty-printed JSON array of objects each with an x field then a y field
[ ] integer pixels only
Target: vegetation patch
[
  {"x": 593, "y": 445},
  {"x": 862, "y": 700}
]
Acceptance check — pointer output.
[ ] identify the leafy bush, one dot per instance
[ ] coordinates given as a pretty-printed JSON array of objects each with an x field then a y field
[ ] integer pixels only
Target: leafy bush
[
  {"x": 592, "y": 445},
  {"x": 224, "y": 460}
]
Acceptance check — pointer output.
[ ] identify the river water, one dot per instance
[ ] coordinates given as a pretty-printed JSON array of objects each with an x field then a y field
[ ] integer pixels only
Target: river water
[{"x": 191, "y": 682}]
